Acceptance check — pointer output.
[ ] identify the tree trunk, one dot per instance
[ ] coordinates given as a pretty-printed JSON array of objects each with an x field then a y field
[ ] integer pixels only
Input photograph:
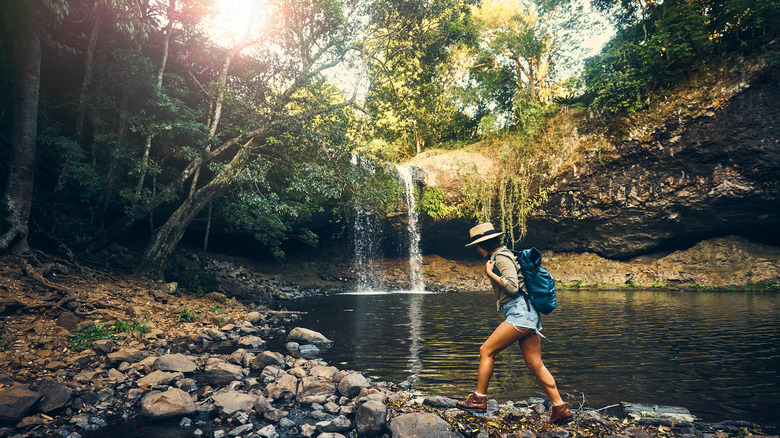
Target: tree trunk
[
  {"x": 87, "y": 80},
  {"x": 19, "y": 190},
  {"x": 160, "y": 75},
  {"x": 168, "y": 236}
]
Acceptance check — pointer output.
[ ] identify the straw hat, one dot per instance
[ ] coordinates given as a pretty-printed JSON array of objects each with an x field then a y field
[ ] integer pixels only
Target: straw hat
[{"x": 482, "y": 232}]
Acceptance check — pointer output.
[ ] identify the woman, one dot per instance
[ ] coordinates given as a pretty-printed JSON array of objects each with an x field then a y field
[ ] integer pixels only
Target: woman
[{"x": 522, "y": 324}]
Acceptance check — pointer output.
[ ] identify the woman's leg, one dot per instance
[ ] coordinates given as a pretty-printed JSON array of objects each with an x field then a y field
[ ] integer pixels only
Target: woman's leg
[
  {"x": 503, "y": 336},
  {"x": 532, "y": 354}
]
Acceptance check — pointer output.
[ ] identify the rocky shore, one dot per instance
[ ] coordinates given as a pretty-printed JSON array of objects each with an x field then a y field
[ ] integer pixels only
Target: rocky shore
[{"x": 84, "y": 351}]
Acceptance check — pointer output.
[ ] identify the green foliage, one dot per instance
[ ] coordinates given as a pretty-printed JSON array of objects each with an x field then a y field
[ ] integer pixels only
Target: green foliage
[
  {"x": 478, "y": 193},
  {"x": 674, "y": 40},
  {"x": 86, "y": 334},
  {"x": 138, "y": 325},
  {"x": 432, "y": 203},
  {"x": 657, "y": 284},
  {"x": 186, "y": 315}
]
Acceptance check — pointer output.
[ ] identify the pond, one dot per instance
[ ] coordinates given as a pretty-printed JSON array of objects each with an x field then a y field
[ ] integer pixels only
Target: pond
[{"x": 717, "y": 354}]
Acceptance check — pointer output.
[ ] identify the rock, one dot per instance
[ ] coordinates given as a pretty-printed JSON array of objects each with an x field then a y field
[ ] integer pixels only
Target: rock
[
  {"x": 230, "y": 402},
  {"x": 267, "y": 358},
  {"x": 421, "y": 425},
  {"x": 187, "y": 385},
  {"x": 306, "y": 336},
  {"x": 315, "y": 390},
  {"x": 338, "y": 424},
  {"x": 104, "y": 346},
  {"x": 253, "y": 342},
  {"x": 439, "y": 402},
  {"x": 268, "y": 431},
  {"x": 68, "y": 321},
  {"x": 352, "y": 383},
  {"x": 274, "y": 415},
  {"x": 175, "y": 362},
  {"x": 217, "y": 372},
  {"x": 171, "y": 403},
  {"x": 54, "y": 396},
  {"x": 262, "y": 404},
  {"x": 523, "y": 433},
  {"x": 371, "y": 418},
  {"x": 555, "y": 432},
  {"x": 322, "y": 371},
  {"x": 241, "y": 430},
  {"x": 16, "y": 402},
  {"x": 241, "y": 357},
  {"x": 158, "y": 378},
  {"x": 308, "y": 351},
  {"x": 283, "y": 388},
  {"x": 129, "y": 355},
  {"x": 254, "y": 317}
]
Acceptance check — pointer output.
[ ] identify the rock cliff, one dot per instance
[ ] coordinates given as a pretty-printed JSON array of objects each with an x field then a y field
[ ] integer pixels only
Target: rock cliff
[
  {"x": 694, "y": 177},
  {"x": 683, "y": 172}
]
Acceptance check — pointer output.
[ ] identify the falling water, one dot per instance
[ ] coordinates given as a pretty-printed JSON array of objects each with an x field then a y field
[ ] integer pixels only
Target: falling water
[
  {"x": 366, "y": 238},
  {"x": 413, "y": 231}
]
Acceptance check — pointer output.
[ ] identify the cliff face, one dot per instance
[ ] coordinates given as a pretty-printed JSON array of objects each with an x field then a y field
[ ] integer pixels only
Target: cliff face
[{"x": 693, "y": 178}]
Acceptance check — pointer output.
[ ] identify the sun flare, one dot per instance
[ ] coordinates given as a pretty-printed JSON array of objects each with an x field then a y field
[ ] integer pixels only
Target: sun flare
[{"x": 235, "y": 18}]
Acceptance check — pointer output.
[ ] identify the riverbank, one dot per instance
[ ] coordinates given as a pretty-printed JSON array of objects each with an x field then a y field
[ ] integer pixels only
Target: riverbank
[
  {"x": 84, "y": 347},
  {"x": 728, "y": 263}
]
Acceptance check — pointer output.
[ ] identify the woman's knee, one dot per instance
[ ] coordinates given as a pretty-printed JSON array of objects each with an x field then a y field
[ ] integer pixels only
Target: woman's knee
[
  {"x": 486, "y": 350},
  {"x": 534, "y": 364}
]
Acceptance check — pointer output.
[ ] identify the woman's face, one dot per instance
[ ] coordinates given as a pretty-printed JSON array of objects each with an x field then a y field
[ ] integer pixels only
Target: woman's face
[{"x": 483, "y": 252}]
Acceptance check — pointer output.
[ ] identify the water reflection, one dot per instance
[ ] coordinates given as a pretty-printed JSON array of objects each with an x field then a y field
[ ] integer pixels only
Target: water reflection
[{"x": 718, "y": 354}]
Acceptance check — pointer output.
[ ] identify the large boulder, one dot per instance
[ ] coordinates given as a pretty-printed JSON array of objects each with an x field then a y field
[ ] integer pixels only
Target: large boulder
[
  {"x": 371, "y": 418},
  {"x": 421, "y": 425},
  {"x": 217, "y": 372},
  {"x": 284, "y": 387},
  {"x": 307, "y": 336},
  {"x": 351, "y": 384},
  {"x": 171, "y": 403},
  {"x": 230, "y": 402},
  {"x": 158, "y": 378},
  {"x": 315, "y": 390},
  {"x": 175, "y": 362},
  {"x": 16, "y": 402}
]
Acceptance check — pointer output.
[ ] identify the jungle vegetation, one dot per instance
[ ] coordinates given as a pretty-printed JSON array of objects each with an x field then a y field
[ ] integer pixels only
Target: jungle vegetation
[{"x": 138, "y": 113}]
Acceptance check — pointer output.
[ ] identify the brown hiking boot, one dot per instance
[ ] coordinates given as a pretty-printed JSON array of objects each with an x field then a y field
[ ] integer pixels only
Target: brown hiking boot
[
  {"x": 473, "y": 402},
  {"x": 560, "y": 415}
]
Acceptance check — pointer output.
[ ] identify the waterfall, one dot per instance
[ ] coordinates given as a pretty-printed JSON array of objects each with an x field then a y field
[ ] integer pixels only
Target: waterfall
[
  {"x": 413, "y": 230},
  {"x": 366, "y": 238}
]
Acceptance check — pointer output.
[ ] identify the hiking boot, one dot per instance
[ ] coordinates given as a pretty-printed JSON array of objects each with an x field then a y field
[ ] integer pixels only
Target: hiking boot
[
  {"x": 473, "y": 402},
  {"x": 560, "y": 415}
]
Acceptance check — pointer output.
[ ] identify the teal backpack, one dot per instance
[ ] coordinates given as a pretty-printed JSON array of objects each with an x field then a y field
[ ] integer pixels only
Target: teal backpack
[{"x": 539, "y": 283}]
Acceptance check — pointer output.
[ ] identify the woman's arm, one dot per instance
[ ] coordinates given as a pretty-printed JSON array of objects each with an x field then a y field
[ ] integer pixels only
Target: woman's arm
[{"x": 508, "y": 270}]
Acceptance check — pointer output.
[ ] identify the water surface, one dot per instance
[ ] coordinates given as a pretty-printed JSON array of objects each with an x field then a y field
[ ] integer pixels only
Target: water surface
[{"x": 717, "y": 354}]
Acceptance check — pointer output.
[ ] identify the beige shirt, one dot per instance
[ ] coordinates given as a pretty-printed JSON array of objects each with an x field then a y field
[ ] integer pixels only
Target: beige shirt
[{"x": 510, "y": 275}]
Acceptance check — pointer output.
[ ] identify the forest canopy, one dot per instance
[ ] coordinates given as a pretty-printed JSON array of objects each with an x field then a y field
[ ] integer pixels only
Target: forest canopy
[{"x": 155, "y": 114}]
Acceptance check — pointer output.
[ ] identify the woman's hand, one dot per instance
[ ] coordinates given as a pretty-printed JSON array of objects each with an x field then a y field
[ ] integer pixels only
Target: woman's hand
[{"x": 489, "y": 266}]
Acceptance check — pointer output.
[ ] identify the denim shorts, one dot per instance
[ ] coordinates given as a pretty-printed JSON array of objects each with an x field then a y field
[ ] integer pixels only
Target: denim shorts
[{"x": 521, "y": 314}]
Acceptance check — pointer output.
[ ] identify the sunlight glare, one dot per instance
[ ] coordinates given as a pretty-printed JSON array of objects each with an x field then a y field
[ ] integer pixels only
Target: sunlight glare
[{"x": 233, "y": 18}]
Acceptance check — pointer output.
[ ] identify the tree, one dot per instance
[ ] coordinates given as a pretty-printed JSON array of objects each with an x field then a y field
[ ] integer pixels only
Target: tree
[
  {"x": 287, "y": 91},
  {"x": 528, "y": 41},
  {"x": 29, "y": 16},
  {"x": 411, "y": 46}
]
